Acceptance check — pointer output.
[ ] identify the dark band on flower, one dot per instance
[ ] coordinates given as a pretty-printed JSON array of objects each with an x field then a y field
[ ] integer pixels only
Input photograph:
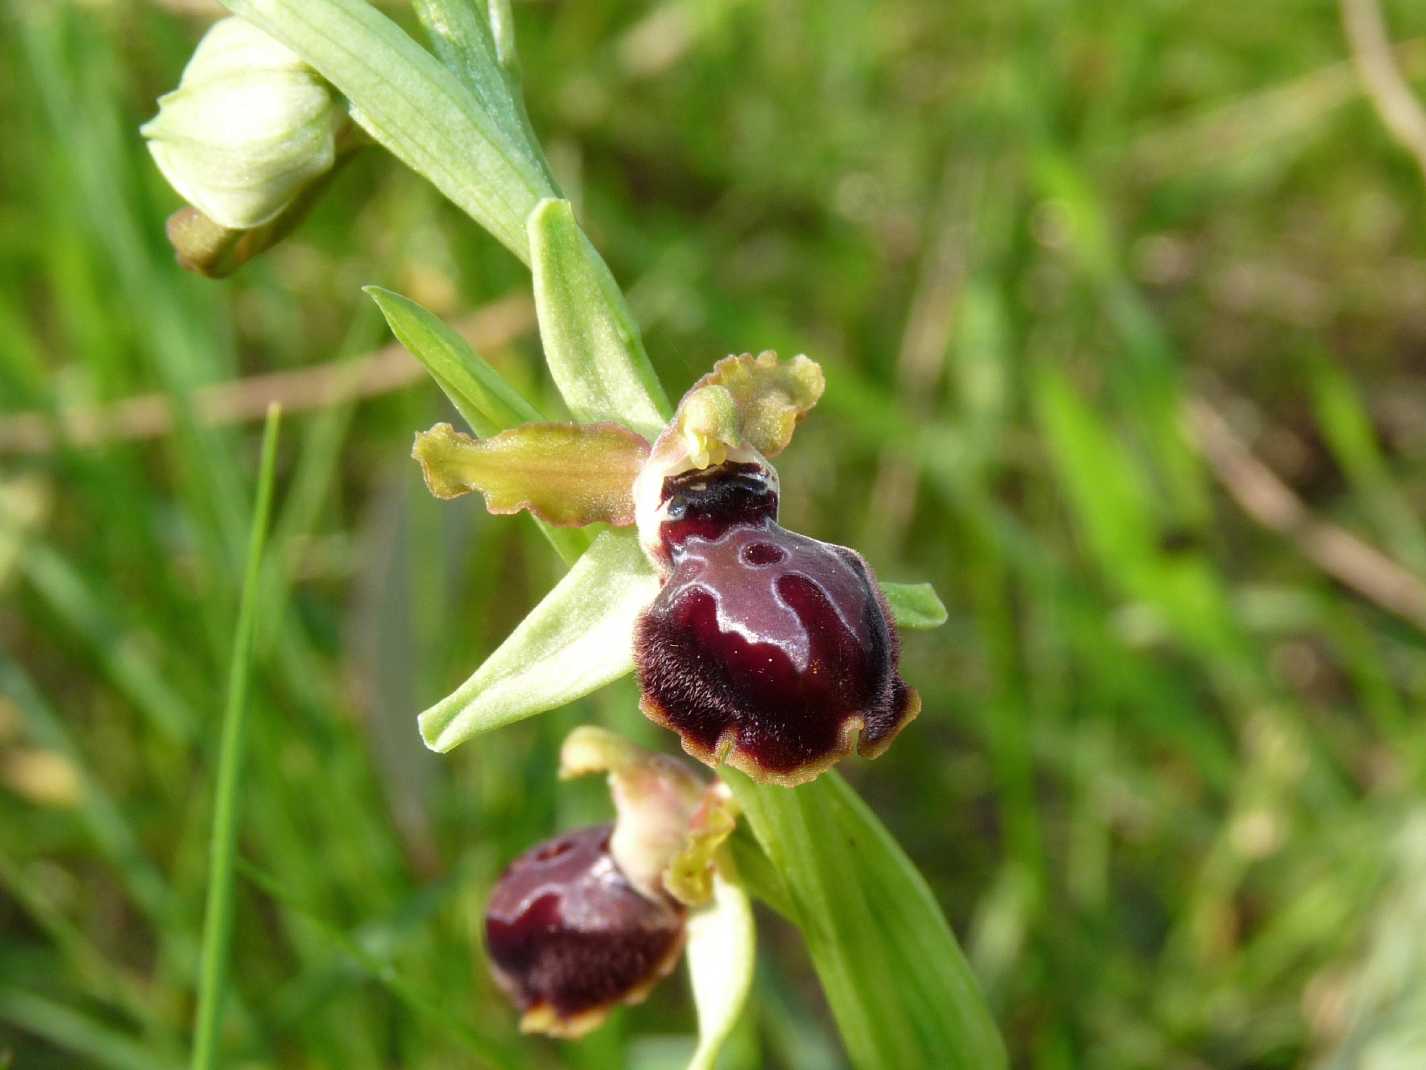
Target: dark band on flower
[{"x": 703, "y": 502}]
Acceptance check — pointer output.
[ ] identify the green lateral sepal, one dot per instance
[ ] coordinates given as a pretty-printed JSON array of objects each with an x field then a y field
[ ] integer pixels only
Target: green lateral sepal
[{"x": 579, "y": 638}]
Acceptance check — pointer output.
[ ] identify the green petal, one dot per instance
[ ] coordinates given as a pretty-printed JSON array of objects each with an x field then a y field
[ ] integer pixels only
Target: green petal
[
  {"x": 768, "y": 395},
  {"x": 579, "y": 638},
  {"x": 568, "y": 475},
  {"x": 690, "y": 874},
  {"x": 721, "y": 955},
  {"x": 915, "y": 605},
  {"x": 591, "y": 343}
]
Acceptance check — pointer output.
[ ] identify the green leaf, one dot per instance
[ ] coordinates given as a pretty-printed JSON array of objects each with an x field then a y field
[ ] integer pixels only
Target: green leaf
[
  {"x": 414, "y": 106},
  {"x": 591, "y": 343},
  {"x": 915, "y": 605},
  {"x": 461, "y": 38},
  {"x": 579, "y": 638},
  {"x": 218, "y": 917},
  {"x": 485, "y": 400},
  {"x": 502, "y": 29},
  {"x": 467, "y": 44},
  {"x": 722, "y": 951},
  {"x": 898, "y": 985}
]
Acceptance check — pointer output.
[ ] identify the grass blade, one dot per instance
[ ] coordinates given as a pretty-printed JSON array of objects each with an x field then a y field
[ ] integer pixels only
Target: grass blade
[
  {"x": 218, "y": 921},
  {"x": 114, "y": 838},
  {"x": 77, "y": 1033},
  {"x": 378, "y": 967}
]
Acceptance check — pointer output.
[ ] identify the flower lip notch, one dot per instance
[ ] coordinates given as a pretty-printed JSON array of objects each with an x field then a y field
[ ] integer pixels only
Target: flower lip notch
[
  {"x": 764, "y": 648},
  {"x": 569, "y": 937}
]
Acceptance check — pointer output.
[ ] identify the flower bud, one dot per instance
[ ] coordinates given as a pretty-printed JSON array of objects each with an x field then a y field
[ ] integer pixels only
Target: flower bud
[
  {"x": 570, "y": 937},
  {"x": 249, "y": 127}
]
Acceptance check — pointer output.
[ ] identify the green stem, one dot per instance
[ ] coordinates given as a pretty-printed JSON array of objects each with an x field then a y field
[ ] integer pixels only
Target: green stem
[
  {"x": 218, "y": 919},
  {"x": 898, "y": 985}
]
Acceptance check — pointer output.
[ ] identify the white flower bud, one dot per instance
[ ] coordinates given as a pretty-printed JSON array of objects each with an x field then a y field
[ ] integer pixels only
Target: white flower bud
[{"x": 249, "y": 126}]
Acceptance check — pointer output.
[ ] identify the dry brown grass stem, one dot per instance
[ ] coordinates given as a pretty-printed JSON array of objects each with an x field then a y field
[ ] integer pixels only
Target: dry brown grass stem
[
  {"x": 1267, "y": 499},
  {"x": 242, "y": 400},
  {"x": 1386, "y": 86}
]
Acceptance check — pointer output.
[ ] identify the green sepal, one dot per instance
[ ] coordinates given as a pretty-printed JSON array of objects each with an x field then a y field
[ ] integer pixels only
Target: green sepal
[
  {"x": 579, "y": 638},
  {"x": 592, "y": 345},
  {"x": 915, "y": 606}
]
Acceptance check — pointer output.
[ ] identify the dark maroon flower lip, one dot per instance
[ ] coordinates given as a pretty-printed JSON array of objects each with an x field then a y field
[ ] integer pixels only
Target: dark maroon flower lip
[
  {"x": 773, "y": 652},
  {"x": 569, "y": 937}
]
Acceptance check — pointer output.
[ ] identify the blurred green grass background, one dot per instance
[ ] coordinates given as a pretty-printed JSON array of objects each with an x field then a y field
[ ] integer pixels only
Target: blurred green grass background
[{"x": 1167, "y": 784}]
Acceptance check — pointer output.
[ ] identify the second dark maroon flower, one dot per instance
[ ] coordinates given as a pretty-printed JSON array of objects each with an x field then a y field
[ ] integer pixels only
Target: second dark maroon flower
[{"x": 569, "y": 936}]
